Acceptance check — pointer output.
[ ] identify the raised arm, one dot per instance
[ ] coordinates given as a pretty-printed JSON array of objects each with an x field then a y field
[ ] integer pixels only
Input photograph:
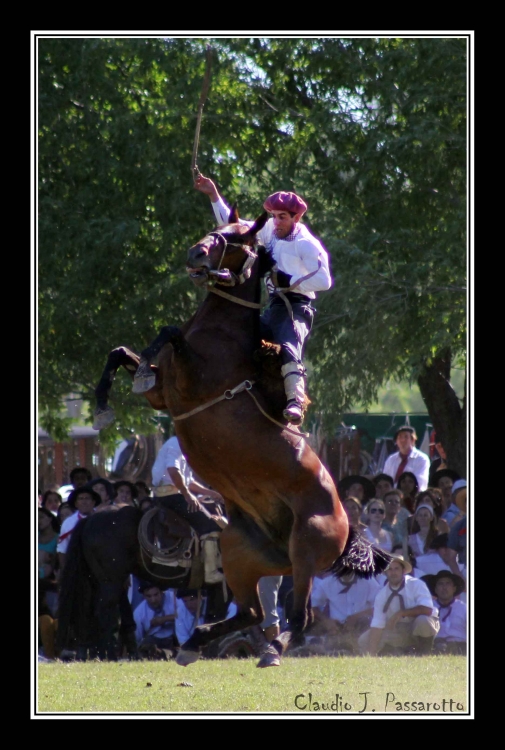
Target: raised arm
[{"x": 207, "y": 187}]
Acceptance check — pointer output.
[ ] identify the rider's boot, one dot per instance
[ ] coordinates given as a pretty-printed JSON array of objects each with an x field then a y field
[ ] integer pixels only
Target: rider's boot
[{"x": 294, "y": 385}]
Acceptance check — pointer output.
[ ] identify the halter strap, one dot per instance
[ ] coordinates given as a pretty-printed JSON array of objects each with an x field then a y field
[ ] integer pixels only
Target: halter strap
[{"x": 234, "y": 278}]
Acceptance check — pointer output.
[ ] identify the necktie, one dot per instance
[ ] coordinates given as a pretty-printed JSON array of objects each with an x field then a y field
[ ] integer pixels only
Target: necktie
[
  {"x": 392, "y": 596},
  {"x": 449, "y": 610},
  {"x": 401, "y": 468}
]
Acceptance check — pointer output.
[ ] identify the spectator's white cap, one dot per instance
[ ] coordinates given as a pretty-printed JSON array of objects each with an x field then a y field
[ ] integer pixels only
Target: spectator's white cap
[{"x": 458, "y": 485}]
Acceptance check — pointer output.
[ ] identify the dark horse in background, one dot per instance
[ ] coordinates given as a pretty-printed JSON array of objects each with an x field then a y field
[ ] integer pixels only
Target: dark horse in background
[
  {"x": 104, "y": 550},
  {"x": 284, "y": 513}
]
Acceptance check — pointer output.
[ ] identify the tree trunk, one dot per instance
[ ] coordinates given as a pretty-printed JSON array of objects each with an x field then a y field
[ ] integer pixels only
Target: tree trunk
[{"x": 447, "y": 414}]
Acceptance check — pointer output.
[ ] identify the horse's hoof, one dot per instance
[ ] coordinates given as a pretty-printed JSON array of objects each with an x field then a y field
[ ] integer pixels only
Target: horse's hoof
[
  {"x": 187, "y": 657},
  {"x": 270, "y": 658},
  {"x": 103, "y": 417},
  {"x": 141, "y": 385}
]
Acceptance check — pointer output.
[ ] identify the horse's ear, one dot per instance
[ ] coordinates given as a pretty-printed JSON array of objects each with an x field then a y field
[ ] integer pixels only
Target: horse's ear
[
  {"x": 259, "y": 223},
  {"x": 233, "y": 217}
]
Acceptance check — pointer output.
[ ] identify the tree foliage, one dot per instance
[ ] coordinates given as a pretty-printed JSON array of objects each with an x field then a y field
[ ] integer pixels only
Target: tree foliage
[{"x": 372, "y": 132}]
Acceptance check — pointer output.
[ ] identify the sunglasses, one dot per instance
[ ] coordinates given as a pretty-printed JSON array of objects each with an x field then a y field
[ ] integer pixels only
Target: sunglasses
[{"x": 376, "y": 510}]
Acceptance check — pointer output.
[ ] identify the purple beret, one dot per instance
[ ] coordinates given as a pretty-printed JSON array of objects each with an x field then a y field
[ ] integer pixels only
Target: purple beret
[{"x": 285, "y": 202}]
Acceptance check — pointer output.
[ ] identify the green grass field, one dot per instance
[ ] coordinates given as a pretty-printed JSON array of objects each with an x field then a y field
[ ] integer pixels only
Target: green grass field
[{"x": 316, "y": 685}]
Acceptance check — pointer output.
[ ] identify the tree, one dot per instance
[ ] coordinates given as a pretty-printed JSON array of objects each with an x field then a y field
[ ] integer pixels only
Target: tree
[{"x": 371, "y": 131}]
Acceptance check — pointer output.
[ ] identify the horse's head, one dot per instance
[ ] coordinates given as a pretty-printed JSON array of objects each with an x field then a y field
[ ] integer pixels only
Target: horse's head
[{"x": 226, "y": 255}]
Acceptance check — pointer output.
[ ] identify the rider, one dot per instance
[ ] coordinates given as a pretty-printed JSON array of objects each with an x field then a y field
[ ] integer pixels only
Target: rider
[{"x": 301, "y": 269}]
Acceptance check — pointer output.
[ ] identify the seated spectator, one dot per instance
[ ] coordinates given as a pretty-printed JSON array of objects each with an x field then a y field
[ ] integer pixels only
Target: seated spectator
[
  {"x": 51, "y": 500},
  {"x": 431, "y": 496},
  {"x": 126, "y": 494},
  {"x": 393, "y": 504},
  {"x": 438, "y": 462},
  {"x": 446, "y": 587},
  {"x": 408, "y": 484},
  {"x": 456, "y": 548},
  {"x": 190, "y": 606},
  {"x": 457, "y": 508},
  {"x": 405, "y": 551},
  {"x": 404, "y": 616},
  {"x": 383, "y": 483},
  {"x": 424, "y": 529},
  {"x": 155, "y": 619},
  {"x": 443, "y": 480},
  {"x": 375, "y": 512},
  {"x": 356, "y": 486},
  {"x": 349, "y": 603},
  {"x": 354, "y": 510}
]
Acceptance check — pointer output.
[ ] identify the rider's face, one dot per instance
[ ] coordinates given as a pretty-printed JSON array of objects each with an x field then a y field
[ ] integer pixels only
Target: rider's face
[{"x": 284, "y": 222}]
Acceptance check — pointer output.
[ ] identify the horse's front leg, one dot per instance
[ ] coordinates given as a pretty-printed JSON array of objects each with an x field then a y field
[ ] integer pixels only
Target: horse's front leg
[
  {"x": 242, "y": 577},
  {"x": 145, "y": 378},
  {"x": 104, "y": 414}
]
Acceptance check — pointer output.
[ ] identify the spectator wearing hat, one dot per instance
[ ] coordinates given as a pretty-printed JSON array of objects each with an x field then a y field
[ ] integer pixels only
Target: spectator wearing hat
[
  {"x": 444, "y": 480},
  {"x": 408, "y": 458},
  {"x": 431, "y": 496},
  {"x": 446, "y": 587},
  {"x": 457, "y": 508},
  {"x": 383, "y": 483},
  {"x": 155, "y": 618},
  {"x": 404, "y": 615},
  {"x": 300, "y": 270},
  {"x": 83, "y": 500},
  {"x": 375, "y": 513},
  {"x": 358, "y": 486}
]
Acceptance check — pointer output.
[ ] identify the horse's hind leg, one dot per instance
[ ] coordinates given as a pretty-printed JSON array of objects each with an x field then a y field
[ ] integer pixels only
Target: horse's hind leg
[
  {"x": 104, "y": 414},
  {"x": 144, "y": 376}
]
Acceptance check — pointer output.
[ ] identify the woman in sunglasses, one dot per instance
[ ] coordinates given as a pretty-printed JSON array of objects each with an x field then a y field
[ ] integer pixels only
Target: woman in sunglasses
[{"x": 375, "y": 514}]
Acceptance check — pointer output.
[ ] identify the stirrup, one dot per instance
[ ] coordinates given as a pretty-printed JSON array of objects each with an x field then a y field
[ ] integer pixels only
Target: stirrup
[
  {"x": 293, "y": 413},
  {"x": 144, "y": 378}
]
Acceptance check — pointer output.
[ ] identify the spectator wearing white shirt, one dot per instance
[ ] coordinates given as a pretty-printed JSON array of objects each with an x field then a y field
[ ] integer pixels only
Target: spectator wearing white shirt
[
  {"x": 408, "y": 458},
  {"x": 155, "y": 618},
  {"x": 446, "y": 587},
  {"x": 404, "y": 615}
]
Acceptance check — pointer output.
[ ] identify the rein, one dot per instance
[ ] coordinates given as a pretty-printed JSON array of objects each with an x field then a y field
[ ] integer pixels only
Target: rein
[
  {"x": 246, "y": 385},
  {"x": 227, "y": 277}
]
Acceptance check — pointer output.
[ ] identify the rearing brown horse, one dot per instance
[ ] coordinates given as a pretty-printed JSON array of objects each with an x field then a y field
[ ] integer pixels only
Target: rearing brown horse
[{"x": 284, "y": 513}]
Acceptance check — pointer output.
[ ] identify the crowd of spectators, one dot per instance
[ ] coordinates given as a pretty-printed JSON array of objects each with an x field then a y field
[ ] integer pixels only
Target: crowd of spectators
[{"x": 418, "y": 606}]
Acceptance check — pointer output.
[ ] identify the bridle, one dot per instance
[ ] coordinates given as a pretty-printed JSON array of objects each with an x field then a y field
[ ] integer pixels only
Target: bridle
[{"x": 226, "y": 277}]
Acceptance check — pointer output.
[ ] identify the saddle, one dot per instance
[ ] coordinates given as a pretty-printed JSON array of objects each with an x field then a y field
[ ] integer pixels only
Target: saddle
[{"x": 167, "y": 539}]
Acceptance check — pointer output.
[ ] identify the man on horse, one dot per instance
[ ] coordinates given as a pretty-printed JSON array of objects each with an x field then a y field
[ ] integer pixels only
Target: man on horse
[{"x": 301, "y": 269}]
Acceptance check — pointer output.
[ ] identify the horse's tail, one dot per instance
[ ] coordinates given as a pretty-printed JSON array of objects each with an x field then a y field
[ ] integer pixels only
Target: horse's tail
[
  {"x": 75, "y": 595},
  {"x": 360, "y": 557}
]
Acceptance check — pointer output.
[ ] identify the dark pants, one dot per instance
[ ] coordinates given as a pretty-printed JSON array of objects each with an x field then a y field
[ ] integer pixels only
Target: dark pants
[
  {"x": 197, "y": 519},
  {"x": 278, "y": 327}
]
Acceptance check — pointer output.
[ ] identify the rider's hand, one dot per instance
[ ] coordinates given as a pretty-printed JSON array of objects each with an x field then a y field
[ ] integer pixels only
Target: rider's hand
[
  {"x": 192, "y": 501},
  {"x": 206, "y": 186},
  {"x": 283, "y": 280}
]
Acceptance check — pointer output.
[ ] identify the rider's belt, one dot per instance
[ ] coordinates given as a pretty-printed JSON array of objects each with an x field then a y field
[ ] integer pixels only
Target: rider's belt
[
  {"x": 165, "y": 489},
  {"x": 292, "y": 297}
]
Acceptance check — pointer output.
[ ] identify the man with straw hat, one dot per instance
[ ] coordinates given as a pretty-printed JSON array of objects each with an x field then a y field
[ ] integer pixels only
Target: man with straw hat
[{"x": 404, "y": 617}]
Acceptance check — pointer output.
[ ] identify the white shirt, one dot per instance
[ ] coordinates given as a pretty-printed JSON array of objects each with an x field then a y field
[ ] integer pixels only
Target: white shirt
[
  {"x": 170, "y": 455},
  {"x": 418, "y": 463},
  {"x": 297, "y": 257},
  {"x": 453, "y": 621},
  {"x": 384, "y": 540},
  {"x": 67, "y": 527},
  {"x": 360, "y": 596},
  {"x": 415, "y": 594},
  {"x": 185, "y": 622},
  {"x": 144, "y": 614}
]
